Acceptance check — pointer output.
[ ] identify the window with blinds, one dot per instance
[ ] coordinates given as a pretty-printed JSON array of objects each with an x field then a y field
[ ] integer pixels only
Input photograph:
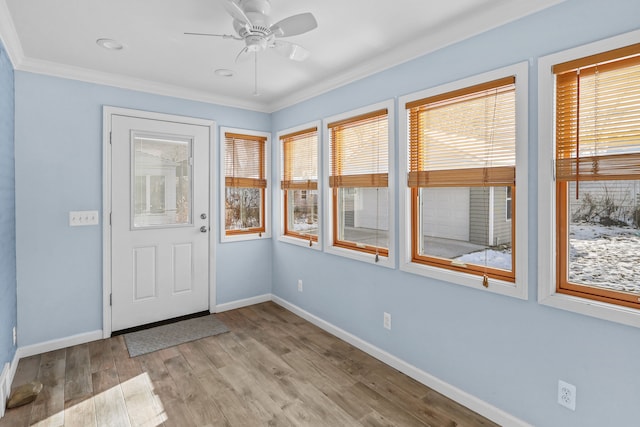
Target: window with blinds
[
  {"x": 245, "y": 183},
  {"x": 597, "y": 153},
  {"x": 359, "y": 176},
  {"x": 299, "y": 184},
  {"x": 462, "y": 168}
]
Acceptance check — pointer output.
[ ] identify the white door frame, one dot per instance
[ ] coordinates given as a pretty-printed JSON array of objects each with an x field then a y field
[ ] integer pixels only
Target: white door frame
[{"x": 107, "y": 113}]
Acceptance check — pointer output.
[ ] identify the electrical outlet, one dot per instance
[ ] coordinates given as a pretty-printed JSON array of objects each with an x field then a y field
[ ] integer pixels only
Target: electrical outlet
[
  {"x": 386, "y": 321},
  {"x": 15, "y": 336},
  {"x": 300, "y": 285},
  {"x": 567, "y": 395}
]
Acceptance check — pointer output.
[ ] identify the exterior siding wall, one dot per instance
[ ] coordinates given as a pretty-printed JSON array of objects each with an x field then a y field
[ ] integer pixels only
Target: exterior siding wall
[
  {"x": 501, "y": 226},
  {"x": 479, "y": 215}
]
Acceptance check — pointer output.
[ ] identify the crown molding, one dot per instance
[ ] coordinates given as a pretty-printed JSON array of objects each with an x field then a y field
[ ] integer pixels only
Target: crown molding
[
  {"x": 445, "y": 35},
  {"x": 131, "y": 83},
  {"x": 9, "y": 36}
]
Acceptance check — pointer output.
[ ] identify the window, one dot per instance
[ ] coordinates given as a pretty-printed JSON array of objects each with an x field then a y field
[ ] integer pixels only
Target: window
[
  {"x": 244, "y": 166},
  {"x": 299, "y": 184},
  {"x": 598, "y": 176},
  {"x": 464, "y": 218},
  {"x": 589, "y": 188},
  {"x": 360, "y": 199}
]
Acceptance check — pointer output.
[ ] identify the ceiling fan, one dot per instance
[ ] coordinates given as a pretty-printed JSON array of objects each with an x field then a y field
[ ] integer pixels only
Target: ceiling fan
[{"x": 252, "y": 25}]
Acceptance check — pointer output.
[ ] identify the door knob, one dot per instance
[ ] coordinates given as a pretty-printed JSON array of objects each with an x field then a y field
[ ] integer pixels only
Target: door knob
[
  {"x": 203, "y": 216},
  {"x": 203, "y": 229}
]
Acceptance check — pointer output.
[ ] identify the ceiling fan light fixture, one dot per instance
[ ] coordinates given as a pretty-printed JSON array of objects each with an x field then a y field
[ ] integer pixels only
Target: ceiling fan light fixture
[
  {"x": 109, "y": 44},
  {"x": 223, "y": 72}
]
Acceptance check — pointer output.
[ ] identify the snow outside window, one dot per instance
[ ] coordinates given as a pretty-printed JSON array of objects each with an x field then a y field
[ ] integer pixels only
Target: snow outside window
[
  {"x": 464, "y": 214},
  {"x": 594, "y": 181}
]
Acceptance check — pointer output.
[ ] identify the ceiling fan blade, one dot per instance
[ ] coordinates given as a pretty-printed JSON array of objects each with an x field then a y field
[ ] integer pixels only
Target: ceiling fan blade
[
  {"x": 224, "y": 36},
  {"x": 290, "y": 50},
  {"x": 236, "y": 11},
  {"x": 294, "y": 25}
]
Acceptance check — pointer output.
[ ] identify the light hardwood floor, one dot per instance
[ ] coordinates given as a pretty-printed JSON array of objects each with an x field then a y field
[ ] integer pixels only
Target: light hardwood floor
[{"x": 272, "y": 369}]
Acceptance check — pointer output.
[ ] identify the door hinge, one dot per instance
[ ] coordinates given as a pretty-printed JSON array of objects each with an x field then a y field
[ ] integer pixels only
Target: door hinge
[
  {"x": 110, "y": 213},
  {"x": 110, "y": 299},
  {"x": 110, "y": 137}
]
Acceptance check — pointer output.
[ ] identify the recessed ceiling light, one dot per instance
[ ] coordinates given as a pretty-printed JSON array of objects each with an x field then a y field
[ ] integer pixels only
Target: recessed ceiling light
[
  {"x": 223, "y": 72},
  {"x": 109, "y": 44}
]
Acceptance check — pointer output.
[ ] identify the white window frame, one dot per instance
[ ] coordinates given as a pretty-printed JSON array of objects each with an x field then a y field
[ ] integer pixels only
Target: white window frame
[
  {"x": 388, "y": 261},
  {"x": 547, "y": 294},
  {"x": 519, "y": 288},
  {"x": 224, "y": 238},
  {"x": 279, "y": 191}
]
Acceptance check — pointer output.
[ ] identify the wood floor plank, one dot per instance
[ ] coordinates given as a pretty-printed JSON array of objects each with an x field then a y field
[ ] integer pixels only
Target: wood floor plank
[
  {"x": 77, "y": 384},
  {"x": 384, "y": 407},
  {"x": 203, "y": 410},
  {"x": 259, "y": 401},
  {"x": 111, "y": 410},
  {"x": 318, "y": 404},
  {"x": 163, "y": 385},
  {"x": 215, "y": 353},
  {"x": 80, "y": 412},
  {"x": 195, "y": 357},
  {"x": 48, "y": 408},
  {"x": 126, "y": 366},
  {"x": 272, "y": 369},
  {"x": 17, "y": 417},
  {"x": 104, "y": 380},
  {"x": 143, "y": 409},
  {"x": 27, "y": 370},
  {"x": 100, "y": 355}
]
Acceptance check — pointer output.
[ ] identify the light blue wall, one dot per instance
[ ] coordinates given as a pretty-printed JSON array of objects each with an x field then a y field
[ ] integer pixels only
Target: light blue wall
[
  {"x": 8, "y": 304},
  {"x": 59, "y": 169},
  {"x": 505, "y": 351}
]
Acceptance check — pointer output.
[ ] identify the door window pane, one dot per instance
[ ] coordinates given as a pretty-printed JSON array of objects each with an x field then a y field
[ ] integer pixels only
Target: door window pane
[{"x": 162, "y": 181}]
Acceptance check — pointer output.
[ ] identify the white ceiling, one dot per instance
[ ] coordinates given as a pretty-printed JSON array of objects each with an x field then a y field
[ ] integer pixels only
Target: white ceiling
[{"x": 354, "y": 38}]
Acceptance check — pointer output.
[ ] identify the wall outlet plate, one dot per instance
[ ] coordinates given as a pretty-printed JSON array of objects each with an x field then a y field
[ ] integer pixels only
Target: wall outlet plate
[
  {"x": 567, "y": 395},
  {"x": 77, "y": 218},
  {"x": 386, "y": 322},
  {"x": 300, "y": 285}
]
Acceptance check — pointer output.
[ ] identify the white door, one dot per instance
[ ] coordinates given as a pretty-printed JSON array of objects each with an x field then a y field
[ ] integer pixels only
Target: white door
[{"x": 159, "y": 220}]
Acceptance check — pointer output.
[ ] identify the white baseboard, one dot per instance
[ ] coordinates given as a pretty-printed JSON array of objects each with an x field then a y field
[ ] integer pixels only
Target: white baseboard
[
  {"x": 242, "y": 303},
  {"x": 5, "y": 385},
  {"x": 57, "y": 344},
  {"x": 6, "y": 379},
  {"x": 483, "y": 408}
]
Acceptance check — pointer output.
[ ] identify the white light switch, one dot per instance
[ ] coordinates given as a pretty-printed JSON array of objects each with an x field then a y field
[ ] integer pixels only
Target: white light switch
[{"x": 83, "y": 218}]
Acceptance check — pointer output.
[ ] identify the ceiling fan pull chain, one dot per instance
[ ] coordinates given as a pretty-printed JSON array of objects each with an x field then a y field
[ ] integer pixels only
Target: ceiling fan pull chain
[{"x": 255, "y": 87}]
